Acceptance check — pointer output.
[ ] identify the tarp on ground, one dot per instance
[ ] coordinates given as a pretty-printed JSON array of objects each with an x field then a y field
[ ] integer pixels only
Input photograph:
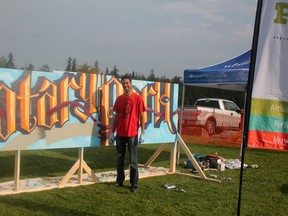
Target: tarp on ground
[{"x": 229, "y": 75}]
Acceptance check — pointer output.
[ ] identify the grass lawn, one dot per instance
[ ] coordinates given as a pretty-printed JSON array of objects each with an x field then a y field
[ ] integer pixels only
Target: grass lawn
[{"x": 264, "y": 190}]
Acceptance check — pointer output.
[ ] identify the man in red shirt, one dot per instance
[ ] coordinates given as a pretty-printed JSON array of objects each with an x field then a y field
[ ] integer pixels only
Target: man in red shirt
[{"x": 129, "y": 108}]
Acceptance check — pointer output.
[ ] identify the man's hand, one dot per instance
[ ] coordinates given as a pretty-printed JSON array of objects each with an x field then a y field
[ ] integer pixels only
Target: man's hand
[
  {"x": 141, "y": 138},
  {"x": 111, "y": 138}
]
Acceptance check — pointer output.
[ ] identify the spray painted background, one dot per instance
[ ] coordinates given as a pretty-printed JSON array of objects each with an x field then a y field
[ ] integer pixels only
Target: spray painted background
[{"x": 48, "y": 110}]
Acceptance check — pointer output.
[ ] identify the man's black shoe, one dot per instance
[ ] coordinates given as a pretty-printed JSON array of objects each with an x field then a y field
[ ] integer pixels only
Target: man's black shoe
[
  {"x": 118, "y": 184},
  {"x": 134, "y": 189}
]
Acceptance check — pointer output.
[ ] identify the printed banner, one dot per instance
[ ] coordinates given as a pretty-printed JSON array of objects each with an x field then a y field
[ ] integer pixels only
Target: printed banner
[
  {"x": 268, "y": 125},
  {"x": 48, "y": 110}
]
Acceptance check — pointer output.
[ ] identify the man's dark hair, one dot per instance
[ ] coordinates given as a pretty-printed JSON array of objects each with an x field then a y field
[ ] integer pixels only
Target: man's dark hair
[{"x": 126, "y": 77}]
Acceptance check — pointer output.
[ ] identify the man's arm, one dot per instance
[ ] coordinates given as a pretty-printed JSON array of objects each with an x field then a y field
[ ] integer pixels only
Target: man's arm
[
  {"x": 142, "y": 125},
  {"x": 115, "y": 122}
]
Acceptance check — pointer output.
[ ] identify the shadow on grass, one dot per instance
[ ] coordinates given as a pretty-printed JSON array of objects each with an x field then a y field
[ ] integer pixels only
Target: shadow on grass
[
  {"x": 43, "y": 207},
  {"x": 284, "y": 188},
  {"x": 35, "y": 165},
  {"x": 49, "y": 163}
]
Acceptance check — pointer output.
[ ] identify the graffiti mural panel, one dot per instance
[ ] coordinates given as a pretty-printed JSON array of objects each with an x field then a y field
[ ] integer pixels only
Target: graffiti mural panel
[{"x": 47, "y": 110}]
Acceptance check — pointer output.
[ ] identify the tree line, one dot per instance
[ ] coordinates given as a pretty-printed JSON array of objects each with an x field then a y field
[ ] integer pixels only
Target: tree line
[{"x": 192, "y": 93}]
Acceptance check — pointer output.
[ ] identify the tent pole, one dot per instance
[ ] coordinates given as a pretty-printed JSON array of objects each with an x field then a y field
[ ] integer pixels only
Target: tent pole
[{"x": 249, "y": 95}]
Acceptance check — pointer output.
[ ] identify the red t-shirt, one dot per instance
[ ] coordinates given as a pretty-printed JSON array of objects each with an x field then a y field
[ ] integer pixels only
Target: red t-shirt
[{"x": 128, "y": 109}]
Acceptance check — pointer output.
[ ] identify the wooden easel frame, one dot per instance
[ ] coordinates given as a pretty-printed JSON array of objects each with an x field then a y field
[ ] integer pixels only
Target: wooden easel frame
[
  {"x": 79, "y": 165},
  {"x": 17, "y": 170},
  {"x": 173, "y": 161}
]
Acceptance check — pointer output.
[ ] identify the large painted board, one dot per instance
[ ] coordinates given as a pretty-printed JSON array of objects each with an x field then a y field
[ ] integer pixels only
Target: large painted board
[{"x": 48, "y": 110}]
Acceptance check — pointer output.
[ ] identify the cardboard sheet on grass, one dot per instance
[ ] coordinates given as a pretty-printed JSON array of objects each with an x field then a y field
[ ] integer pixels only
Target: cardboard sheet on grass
[{"x": 48, "y": 183}]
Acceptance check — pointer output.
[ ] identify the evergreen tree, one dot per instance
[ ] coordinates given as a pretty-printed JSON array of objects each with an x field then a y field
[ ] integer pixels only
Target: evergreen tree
[
  {"x": 10, "y": 62},
  {"x": 96, "y": 65},
  {"x": 74, "y": 65},
  {"x": 142, "y": 77},
  {"x": 137, "y": 76},
  {"x": 45, "y": 67},
  {"x": 29, "y": 67},
  {"x": 69, "y": 64},
  {"x": 128, "y": 74},
  {"x": 152, "y": 76},
  {"x": 96, "y": 68},
  {"x": 114, "y": 72},
  {"x": 106, "y": 71},
  {"x": 164, "y": 79},
  {"x": 84, "y": 68},
  {"x": 176, "y": 79},
  {"x": 3, "y": 61}
]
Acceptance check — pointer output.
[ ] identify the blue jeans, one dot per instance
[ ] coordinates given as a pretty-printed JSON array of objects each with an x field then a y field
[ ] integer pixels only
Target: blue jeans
[{"x": 132, "y": 143}]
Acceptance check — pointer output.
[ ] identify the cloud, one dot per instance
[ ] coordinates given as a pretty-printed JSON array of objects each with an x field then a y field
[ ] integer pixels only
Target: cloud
[{"x": 134, "y": 35}]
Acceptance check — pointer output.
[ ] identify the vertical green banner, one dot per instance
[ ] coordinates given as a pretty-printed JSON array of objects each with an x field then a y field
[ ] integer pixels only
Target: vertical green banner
[{"x": 268, "y": 124}]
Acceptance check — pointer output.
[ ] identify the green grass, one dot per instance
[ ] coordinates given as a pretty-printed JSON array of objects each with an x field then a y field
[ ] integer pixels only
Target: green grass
[{"x": 264, "y": 190}]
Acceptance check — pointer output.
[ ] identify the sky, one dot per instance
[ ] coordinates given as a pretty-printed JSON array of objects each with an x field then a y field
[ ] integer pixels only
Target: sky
[{"x": 135, "y": 35}]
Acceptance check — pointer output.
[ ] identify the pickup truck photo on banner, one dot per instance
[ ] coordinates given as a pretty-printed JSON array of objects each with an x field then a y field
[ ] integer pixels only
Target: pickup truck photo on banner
[
  {"x": 47, "y": 110},
  {"x": 268, "y": 123}
]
